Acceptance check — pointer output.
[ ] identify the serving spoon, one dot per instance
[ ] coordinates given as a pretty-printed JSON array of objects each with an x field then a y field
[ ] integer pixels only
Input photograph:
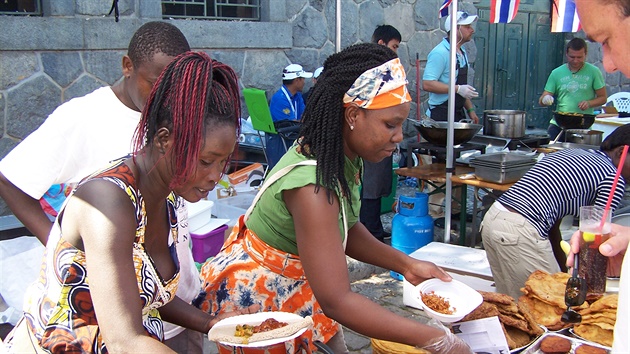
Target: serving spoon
[{"x": 574, "y": 295}]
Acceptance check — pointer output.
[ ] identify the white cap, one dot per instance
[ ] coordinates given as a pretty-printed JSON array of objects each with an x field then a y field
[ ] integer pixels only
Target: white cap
[
  {"x": 294, "y": 71},
  {"x": 463, "y": 18},
  {"x": 318, "y": 72}
]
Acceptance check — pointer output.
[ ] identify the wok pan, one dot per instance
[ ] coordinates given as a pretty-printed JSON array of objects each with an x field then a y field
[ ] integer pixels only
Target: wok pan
[
  {"x": 436, "y": 134},
  {"x": 567, "y": 120}
]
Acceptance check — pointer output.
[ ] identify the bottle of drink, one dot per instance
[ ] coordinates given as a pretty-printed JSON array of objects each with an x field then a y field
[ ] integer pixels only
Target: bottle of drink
[{"x": 592, "y": 264}]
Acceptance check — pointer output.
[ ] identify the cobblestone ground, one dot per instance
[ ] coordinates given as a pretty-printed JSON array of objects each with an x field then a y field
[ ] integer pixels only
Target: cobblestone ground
[{"x": 377, "y": 285}]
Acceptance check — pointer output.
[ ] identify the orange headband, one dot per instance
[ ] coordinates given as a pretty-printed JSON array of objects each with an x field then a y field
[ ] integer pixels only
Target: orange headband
[{"x": 380, "y": 87}]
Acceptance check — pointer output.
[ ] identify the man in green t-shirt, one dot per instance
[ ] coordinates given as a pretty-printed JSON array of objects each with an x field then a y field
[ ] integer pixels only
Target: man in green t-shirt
[{"x": 577, "y": 86}]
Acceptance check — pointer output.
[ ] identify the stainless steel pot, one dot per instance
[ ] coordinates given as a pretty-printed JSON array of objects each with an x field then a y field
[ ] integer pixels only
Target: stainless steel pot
[
  {"x": 584, "y": 136},
  {"x": 504, "y": 123}
]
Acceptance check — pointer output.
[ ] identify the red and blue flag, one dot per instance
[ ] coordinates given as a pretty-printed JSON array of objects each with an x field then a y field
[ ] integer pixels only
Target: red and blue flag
[
  {"x": 564, "y": 17},
  {"x": 444, "y": 8},
  {"x": 503, "y": 11}
]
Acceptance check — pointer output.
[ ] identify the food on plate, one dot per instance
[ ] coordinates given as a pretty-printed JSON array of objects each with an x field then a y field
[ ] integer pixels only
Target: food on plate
[
  {"x": 437, "y": 303},
  {"x": 520, "y": 338},
  {"x": 555, "y": 344},
  {"x": 589, "y": 349},
  {"x": 571, "y": 114},
  {"x": 245, "y": 333},
  {"x": 544, "y": 298},
  {"x": 598, "y": 321},
  {"x": 517, "y": 323}
]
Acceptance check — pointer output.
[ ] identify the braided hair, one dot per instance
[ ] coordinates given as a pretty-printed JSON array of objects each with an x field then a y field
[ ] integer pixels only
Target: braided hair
[
  {"x": 193, "y": 93},
  {"x": 323, "y": 117},
  {"x": 156, "y": 37}
]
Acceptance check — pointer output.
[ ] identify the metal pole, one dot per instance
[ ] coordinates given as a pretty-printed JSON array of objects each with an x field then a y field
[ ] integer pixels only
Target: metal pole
[
  {"x": 451, "y": 119},
  {"x": 418, "y": 106},
  {"x": 338, "y": 27}
]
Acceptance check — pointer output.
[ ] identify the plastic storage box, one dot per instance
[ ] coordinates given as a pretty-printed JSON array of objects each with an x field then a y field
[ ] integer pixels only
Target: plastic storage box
[
  {"x": 199, "y": 214},
  {"x": 233, "y": 207},
  {"x": 207, "y": 243}
]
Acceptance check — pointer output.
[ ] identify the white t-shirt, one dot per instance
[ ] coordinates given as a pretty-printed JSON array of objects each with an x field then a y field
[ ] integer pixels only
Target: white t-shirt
[{"x": 79, "y": 137}]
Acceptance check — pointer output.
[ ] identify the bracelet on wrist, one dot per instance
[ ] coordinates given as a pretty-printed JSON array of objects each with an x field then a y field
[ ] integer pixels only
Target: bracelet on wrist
[{"x": 470, "y": 109}]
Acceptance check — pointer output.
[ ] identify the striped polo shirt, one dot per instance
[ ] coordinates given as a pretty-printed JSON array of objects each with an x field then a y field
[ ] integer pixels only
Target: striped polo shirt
[{"x": 562, "y": 182}]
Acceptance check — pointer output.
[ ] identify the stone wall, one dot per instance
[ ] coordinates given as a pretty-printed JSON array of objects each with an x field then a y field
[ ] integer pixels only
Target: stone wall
[{"x": 75, "y": 48}]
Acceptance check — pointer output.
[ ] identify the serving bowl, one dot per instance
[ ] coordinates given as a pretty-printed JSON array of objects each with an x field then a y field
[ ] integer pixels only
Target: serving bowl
[{"x": 462, "y": 298}]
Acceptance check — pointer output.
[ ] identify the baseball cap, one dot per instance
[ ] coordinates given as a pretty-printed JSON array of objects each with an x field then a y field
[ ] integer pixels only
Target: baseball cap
[
  {"x": 318, "y": 72},
  {"x": 463, "y": 18},
  {"x": 294, "y": 71}
]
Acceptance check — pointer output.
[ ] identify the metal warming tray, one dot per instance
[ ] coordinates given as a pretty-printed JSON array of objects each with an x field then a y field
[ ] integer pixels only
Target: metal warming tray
[
  {"x": 534, "y": 348},
  {"x": 562, "y": 146},
  {"x": 503, "y": 167},
  {"x": 503, "y": 160},
  {"x": 501, "y": 175}
]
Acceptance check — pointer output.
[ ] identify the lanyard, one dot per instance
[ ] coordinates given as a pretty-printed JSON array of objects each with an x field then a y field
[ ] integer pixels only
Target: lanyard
[{"x": 291, "y": 103}]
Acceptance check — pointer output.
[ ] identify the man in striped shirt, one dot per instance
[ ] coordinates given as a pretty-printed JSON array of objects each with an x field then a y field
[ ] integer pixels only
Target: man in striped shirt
[{"x": 516, "y": 228}]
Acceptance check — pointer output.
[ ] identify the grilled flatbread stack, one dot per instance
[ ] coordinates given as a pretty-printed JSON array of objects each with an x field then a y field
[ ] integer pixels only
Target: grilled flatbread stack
[
  {"x": 227, "y": 334},
  {"x": 519, "y": 326},
  {"x": 598, "y": 321},
  {"x": 544, "y": 298}
]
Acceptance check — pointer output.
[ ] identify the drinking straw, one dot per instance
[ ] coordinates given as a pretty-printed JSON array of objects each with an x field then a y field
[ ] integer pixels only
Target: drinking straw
[{"x": 622, "y": 160}]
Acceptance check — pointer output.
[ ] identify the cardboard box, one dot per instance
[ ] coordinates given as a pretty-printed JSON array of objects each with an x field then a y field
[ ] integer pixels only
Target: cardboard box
[{"x": 246, "y": 176}]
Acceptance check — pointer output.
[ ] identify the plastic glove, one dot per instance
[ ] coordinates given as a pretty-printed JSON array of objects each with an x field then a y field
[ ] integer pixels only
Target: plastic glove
[
  {"x": 467, "y": 91},
  {"x": 547, "y": 100},
  {"x": 448, "y": 343}
]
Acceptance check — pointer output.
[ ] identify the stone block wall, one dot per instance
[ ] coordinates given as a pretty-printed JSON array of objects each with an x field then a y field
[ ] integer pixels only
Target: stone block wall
[{"x": 75, "y": 48}]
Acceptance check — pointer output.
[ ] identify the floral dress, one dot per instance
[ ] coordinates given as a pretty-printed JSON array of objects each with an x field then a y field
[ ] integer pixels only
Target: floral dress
[{"x": 58, "y": 306}]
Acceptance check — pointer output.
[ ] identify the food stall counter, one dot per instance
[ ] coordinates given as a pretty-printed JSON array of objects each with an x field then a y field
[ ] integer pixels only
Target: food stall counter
[{"x": 608, "y": 124}]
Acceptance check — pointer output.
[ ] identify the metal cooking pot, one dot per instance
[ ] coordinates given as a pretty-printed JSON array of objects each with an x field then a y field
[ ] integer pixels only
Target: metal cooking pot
[
  {"x": 504, "y": 123},
  {"x": 462, "y": 132},
  {"x": 584, "y": 136}
]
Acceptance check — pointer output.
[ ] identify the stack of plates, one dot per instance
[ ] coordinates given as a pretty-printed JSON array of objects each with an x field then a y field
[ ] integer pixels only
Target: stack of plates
[{"x": 502, "y": 167}]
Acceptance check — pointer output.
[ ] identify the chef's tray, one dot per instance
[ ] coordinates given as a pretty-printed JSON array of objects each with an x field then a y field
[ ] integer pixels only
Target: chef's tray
[
  {"x": 503, "y": 160},
  {"x": 500, "y": 175},
  {"x": 534, "y": 348}
]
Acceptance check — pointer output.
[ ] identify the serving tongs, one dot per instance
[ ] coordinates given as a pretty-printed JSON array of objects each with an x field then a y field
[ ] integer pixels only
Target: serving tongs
[{"x": 574, "y": 295}]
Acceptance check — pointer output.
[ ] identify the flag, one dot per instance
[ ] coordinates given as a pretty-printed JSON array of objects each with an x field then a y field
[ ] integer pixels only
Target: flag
[
  {"x": 444, "y": 8},
  {"x": 503, "y": 11},
  {"x": 564, "y": 17}
]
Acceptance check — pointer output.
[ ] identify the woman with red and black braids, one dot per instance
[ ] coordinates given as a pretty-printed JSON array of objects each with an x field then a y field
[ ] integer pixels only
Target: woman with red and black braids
[
  {"x": 288, "y": 253},
  {"x": 110, "y": 270}
]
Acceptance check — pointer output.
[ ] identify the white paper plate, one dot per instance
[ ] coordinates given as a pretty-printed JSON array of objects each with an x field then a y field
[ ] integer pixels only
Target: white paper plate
[
  {"x": 256, "y": 319},
  {"x": 460, "y": 296}
]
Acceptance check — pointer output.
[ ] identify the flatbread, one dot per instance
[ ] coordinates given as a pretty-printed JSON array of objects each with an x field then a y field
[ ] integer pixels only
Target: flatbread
[{"x": 225, "y": 334}]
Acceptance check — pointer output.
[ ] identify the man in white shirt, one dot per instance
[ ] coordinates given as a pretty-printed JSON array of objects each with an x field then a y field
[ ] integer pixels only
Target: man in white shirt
[{"x": 84, "y": 134}]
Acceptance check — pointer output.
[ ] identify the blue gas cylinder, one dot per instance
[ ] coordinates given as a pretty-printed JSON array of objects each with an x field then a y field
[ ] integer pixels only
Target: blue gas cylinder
[{"x": 412, "y": 226}]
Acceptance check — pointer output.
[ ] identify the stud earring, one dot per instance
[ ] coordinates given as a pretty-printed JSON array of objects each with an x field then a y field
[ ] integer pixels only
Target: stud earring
[{"x": 352, "y": 127}]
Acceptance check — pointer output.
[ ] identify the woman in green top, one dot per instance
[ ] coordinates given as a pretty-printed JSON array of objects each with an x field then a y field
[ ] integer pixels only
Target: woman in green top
[{"x": 291, "y": 246}]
